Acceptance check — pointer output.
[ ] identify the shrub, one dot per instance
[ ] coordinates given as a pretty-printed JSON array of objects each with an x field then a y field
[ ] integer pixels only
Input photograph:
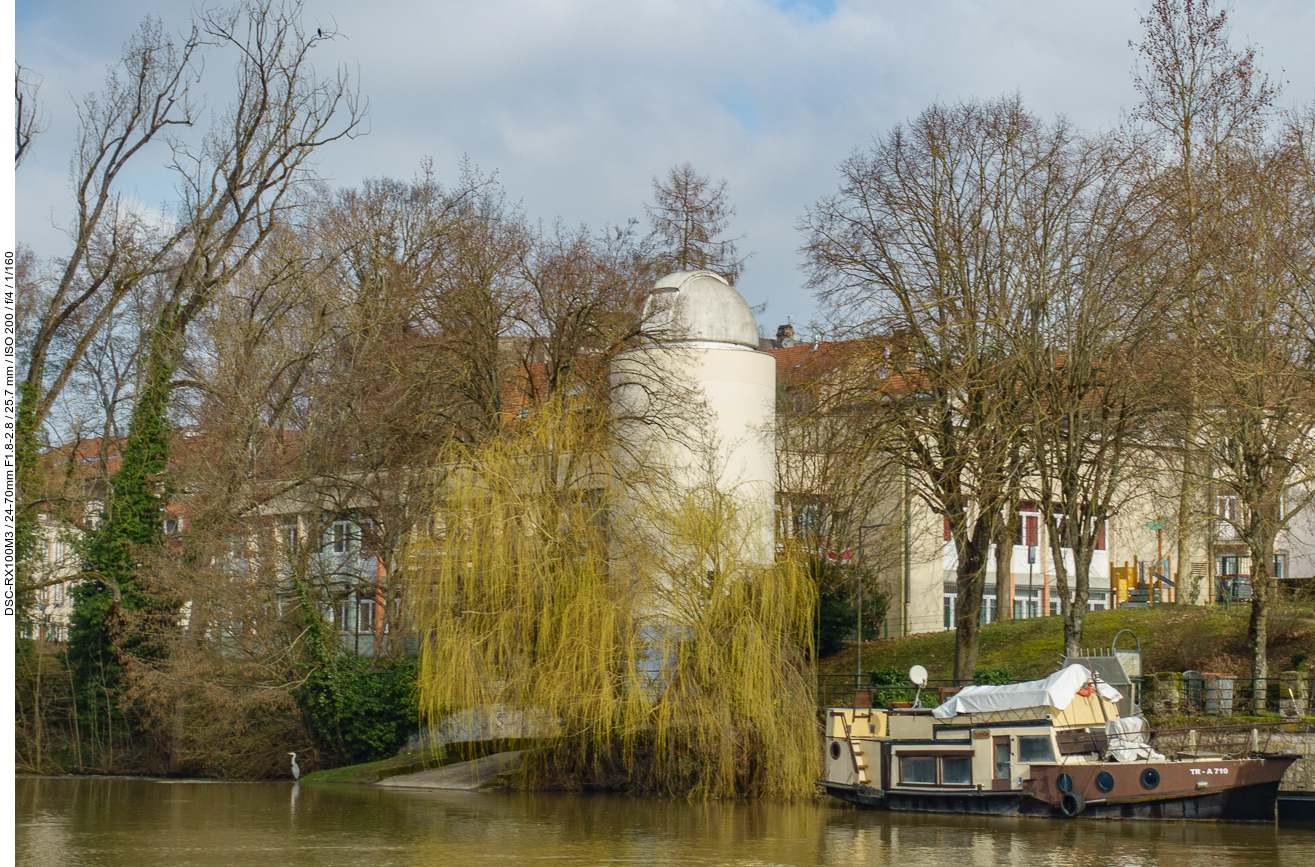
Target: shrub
[
  {"x": 894, "y": 677},
  {"x": 998, "y": 675},
  {"x": 837, "y": 598},
  {"x": 362, "y": 712}
]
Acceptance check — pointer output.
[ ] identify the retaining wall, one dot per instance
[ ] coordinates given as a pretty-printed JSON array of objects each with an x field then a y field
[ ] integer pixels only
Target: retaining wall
[{"x": 1236, "y": 739}]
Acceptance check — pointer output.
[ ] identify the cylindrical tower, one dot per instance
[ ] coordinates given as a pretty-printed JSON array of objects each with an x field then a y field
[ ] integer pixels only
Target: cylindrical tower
[{"x": 717, "y": 391}]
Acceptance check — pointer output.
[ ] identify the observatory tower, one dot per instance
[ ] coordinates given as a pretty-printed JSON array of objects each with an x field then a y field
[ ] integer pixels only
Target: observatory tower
[{"x": 707, "y": 360}]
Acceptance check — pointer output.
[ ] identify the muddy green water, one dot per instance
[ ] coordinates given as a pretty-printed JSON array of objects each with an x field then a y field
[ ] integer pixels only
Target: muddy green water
[{"x": 64, "y": 822}]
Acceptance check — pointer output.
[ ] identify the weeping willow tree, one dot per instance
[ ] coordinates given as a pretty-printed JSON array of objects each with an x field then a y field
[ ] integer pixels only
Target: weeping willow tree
[{"x": 675, "y": 666}]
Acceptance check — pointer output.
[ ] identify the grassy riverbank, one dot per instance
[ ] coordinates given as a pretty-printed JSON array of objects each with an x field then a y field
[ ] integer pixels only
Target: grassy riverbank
[{"x": 1173, "y": 638}]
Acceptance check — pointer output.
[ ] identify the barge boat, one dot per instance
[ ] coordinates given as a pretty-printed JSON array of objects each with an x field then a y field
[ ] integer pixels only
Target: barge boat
[{"x": 1053, "y": 747}]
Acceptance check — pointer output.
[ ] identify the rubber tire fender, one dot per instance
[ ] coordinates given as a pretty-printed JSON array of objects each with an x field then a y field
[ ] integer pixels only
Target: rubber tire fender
[{"x": 1072, "y": 804}]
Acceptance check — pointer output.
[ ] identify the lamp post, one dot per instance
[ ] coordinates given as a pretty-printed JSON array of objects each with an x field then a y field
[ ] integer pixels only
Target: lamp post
[{"x": 858, "y": 672}]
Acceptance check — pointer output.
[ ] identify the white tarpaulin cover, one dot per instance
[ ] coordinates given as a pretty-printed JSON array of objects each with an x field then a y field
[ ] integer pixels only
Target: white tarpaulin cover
[
  {"x": 1056, "y": 691},
  {"x": 1128, "y": 740}
]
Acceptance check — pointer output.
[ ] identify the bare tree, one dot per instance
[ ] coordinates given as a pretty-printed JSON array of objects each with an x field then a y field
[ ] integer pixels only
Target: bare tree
[
  {"x": 1093, "y": 308},
  {"x": 27, "y": 123},
  {"x": 583, "y": 306},
  {"x": 688, "y": 215},
  {"x": 919, "y": 246},
  {"x": 834, "y": 491},
  {"x": 1256, "y": 339},
  {"x": 111, "y": 247},
  {"x": 238, "y": 184},
  {"x": 1201, "y": 95}
]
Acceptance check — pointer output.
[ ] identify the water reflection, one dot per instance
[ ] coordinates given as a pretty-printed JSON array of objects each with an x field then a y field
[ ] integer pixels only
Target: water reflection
[{"x": 63, "y": 821}]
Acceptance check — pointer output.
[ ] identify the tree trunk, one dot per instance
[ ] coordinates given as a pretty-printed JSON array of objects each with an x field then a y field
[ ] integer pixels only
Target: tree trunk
[
  {"x": 1004, "y": 565},
  {"x": 1075, "y": 613},
  {"x": 1184, "y": 550},
  {"x": 1262, "y": 558},
  {"x": 970, "y": 581}
]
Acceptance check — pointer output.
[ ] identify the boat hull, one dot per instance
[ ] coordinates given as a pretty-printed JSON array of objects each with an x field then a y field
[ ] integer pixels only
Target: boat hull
[{"x": 1249, "y": 794}]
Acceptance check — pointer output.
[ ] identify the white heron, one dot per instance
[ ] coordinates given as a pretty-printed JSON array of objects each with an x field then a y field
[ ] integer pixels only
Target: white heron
[{"x": 296, "y": 769}]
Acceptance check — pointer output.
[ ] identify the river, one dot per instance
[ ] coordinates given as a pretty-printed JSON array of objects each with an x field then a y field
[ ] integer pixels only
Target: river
[{"x": 71, "y": 822}]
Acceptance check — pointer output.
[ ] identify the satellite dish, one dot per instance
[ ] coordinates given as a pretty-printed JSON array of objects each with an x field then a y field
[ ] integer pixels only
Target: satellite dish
[{"x": 918, "y": 676}]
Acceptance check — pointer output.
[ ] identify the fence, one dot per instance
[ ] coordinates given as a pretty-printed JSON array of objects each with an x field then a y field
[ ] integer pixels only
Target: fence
[
  {"x": 1164, "y": 695},
  {"x": 837, "y": 690},
  {"x": 1170, "y": 694}
]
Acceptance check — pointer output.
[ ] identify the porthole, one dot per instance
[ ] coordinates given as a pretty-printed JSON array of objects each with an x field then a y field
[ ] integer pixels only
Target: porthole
[
  {"x": 1105, "y": 781},
  {"x": 835, "y": 749},
  {"x": 1065, "y": 783},
  {"x": 1150, "y": 778}
]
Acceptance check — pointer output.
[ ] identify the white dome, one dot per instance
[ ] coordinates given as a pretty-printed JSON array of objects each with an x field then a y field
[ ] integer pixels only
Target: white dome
[{"x": 700, "y": 305}]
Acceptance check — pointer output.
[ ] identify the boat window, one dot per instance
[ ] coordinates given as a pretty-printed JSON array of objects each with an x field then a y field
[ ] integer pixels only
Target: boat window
[
  {"x": 1035, "y": 749},
  {"x": 957, "y": 772},
  {"x": 917, "y": 769}
]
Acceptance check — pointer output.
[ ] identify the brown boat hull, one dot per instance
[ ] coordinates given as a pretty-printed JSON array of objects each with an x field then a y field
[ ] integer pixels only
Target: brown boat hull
[
  {"x": 1242, "y": 790},
  {"x": 1228, "y": 789}
]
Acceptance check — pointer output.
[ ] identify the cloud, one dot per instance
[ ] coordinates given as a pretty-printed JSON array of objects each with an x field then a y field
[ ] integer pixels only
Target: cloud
[{"x": 577, "y": 104}]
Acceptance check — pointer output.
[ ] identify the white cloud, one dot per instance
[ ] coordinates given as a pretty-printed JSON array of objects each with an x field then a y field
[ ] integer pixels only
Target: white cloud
[{"x": 577, "y": 105}]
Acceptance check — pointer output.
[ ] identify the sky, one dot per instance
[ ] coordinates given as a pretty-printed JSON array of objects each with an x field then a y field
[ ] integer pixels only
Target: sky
[{"x": 576, "y": 105}]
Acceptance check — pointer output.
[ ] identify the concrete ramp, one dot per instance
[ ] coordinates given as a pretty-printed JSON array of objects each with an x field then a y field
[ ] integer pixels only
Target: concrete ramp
[{"x": 462, "y": 776}]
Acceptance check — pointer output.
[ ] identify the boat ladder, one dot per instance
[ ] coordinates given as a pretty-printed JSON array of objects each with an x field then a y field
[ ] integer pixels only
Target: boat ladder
[{"x": 856, "y": 748}]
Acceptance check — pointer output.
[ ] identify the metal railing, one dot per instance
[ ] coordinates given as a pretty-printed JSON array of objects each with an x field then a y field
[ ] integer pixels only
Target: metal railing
[
  {"x": 838, "y": 690},
  {"x": 1203, "y": 694},
  {"x": 1287, "y": 697}
]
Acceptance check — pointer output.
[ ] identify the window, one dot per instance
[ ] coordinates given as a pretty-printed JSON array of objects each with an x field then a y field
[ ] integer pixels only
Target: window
[
  {"x": 917, "y": 769},
  {"x": 347, "y": 617},
  {"x": 808, "y": 520},
  {"x": 954, "y": 770},
  {"x": 957, "y": 771},
  {"x": 1035, "y": 749},
  {"x": 1027, "y": 603},
  {"x": 1097, "y": 601},
  {"x": 950, "y": 602},
  {"x": 340, "y": 536},
  {"x": 290, "y": 535},
  {"x": 1229, "y": 510},
  {"x": 1280, "y": 565},
  {"x": 1002, "y": 758},
  {"x": 1027, "y": 526}
]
